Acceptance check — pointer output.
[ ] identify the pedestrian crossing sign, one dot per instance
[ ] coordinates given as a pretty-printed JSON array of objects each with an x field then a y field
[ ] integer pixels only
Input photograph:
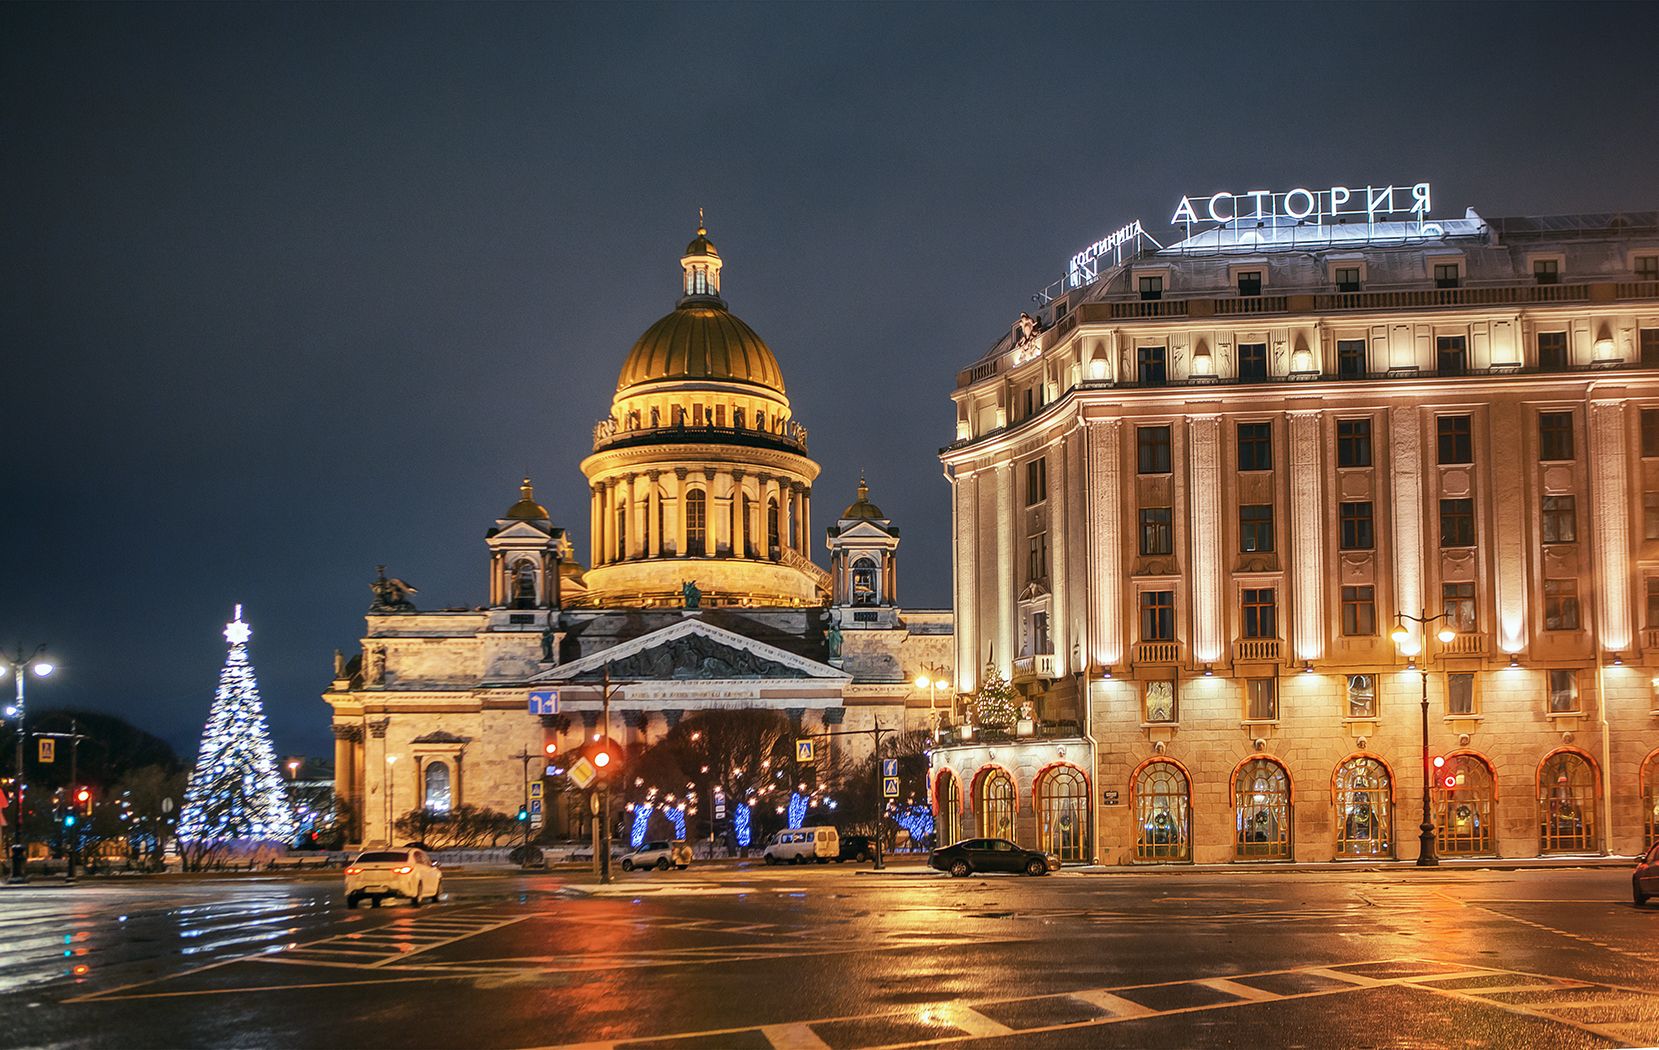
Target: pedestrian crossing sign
[
  {"x": 890, "y": 787},
  {"x": 803, "y": 751},
  {"x": 535, "y": 789},
  {"x": 48, "y": 750}
]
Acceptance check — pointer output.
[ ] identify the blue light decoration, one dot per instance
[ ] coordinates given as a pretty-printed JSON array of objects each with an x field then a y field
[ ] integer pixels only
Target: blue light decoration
[
  {"x": 642, "y": 820},
  {"x": 740, "y": 824},
  {"x": 797, "y": 809},
  {"x": 918, "y": 820},
  {"x": 677, "y": 815}
]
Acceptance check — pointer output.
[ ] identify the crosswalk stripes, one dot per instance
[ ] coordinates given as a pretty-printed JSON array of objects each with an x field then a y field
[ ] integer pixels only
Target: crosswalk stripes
[{"x": 402, "y": 939}]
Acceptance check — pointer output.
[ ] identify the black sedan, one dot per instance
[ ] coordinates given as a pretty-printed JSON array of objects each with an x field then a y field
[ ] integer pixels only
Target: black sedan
[{"x": 985, "y": 855}]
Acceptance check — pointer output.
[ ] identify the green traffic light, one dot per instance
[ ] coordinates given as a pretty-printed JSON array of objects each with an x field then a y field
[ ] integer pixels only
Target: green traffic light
[{"x": 69, "y": 821}]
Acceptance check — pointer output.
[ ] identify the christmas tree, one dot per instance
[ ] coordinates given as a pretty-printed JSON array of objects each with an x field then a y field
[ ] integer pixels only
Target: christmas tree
[
  {"x": 993, "y": 706},
  {"x": 236, "y": 791}
]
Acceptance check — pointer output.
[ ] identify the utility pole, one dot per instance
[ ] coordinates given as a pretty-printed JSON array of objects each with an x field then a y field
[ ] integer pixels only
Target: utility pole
[
  {"x": 18, "y": 668},
  {"x": 525, "y": 756},
  {"x": 881, "y": 798},
  {"x": 605, "y": 784}
]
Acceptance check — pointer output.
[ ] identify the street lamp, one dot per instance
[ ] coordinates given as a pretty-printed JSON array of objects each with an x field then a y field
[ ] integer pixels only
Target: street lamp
[
  {"x": 391, "y": 761},
  {"x": 931, "y": 678},
  {"x": 293, "y": 769},
  {"x": 1427, "y": 857},
  {"x": 20, "y": 668}
]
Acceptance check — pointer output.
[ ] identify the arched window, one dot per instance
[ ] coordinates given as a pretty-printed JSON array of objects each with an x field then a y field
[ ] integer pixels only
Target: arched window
[
  {"x": 1063, "y": 813},
  {"x": 696, "y": 523},
  {"x": 864, "y": 583},
  {"x": 772, "y": 528},
  {"x": 1163, "y": 813},
  {"x": 435, "y": 794},
  {"x": 524, "y": 585},
  {"x": 1463, "y": 806},
  {"x": 947, "y": 793},
  {"x": 1261, "y": 811},
  {"x": 621, "y": 529},
  {"x": 994, "y": 804},
  {"x": 1364, "y": 808},
  {"x": 1566, "y": 803},
  {"x": 1650, "y": 798}
]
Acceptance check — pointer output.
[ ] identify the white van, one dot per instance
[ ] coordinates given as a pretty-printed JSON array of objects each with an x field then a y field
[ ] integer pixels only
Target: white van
[{"x": 802, "y": 846}]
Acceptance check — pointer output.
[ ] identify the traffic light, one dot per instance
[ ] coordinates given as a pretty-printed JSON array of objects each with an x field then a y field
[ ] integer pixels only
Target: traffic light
[
  {"x": 523, "y": 814},
  {"x": 69, "y": 820},
  {"x": 551, "y": 749},
  {"x": 83, "y": 799},
  {"x": 602, "y": 758}
]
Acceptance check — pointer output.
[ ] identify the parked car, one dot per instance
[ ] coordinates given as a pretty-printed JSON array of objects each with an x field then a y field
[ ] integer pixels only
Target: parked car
[
  {"x": 856, "y": 847},
  {"x": 987, "y": 855},
  {"x": 803, "y": 846},
  {"x": 659, "y": 855},
  {"x": 1644, "y": 883},
  {"x": 379, "y": 874}
]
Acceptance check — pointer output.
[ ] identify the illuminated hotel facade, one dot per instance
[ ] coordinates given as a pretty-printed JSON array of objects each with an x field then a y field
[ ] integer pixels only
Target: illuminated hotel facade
[{"x": 1195, "y": 498}]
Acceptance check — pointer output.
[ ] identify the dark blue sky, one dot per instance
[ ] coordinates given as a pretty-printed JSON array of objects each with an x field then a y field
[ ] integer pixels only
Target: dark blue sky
[{"x": 294, "y": 290}]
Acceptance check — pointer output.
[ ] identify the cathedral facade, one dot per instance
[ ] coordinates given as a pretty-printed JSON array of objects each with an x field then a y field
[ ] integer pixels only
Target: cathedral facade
[{"x": 699, "y": 593}]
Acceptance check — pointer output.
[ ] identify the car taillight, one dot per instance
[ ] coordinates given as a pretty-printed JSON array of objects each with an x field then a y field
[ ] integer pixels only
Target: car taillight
[
  {"x": 354, "y": 871},
  {"x": 406, "y": 869}
]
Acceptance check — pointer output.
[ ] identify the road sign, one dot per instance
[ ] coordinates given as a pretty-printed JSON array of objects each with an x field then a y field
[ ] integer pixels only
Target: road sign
[
  {"x": 535, "y": 789},
  {"x": 544, "y": 701},
  {"x": 535, "y": 807},
  {"x": 167, "y": 805},
  {"x": 582, "y": 772},
  {"x": 1109, "y": 798},
  {"x": 719, "y": 811},
  {"x": 889, "y": 767},
  {"x": 803, "y": 751},
  {"x": 48, "y": 750},
  {"x": 890, "y": 787}
]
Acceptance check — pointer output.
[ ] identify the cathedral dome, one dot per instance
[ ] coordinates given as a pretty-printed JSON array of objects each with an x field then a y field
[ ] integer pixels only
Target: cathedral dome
[{"x": 701, "y": 340}]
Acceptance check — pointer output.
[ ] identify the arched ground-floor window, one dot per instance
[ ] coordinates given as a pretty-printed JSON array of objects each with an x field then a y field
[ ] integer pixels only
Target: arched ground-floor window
[
  {"x": 1464, "y": 802},
  {"x": 1163, "y": 812},
  {"x": 1062, "y": 796},
  {"x": 1363, "y": 792},
  {"x": 1261, "y": 811},
  {"x": 435, "y": 794},
  {"x": 994, "y": 802},
  {"x": 1650, "y": 799},
  {"x": 1566, "y": 803},
  {"x": 947, "y": 794}
]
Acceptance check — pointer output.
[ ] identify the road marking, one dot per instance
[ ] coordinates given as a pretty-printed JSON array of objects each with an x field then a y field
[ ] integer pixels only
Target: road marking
[
  {"x": 1241, "y": 991},
  {"x": 793, "y": 1037},
  {"x": 1114, "y": 1005}
]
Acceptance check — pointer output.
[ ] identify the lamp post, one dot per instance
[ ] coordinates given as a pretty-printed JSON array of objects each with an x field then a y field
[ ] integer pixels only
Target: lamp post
[
  {"x": 391, "y": 763},
  {"x": 1427, "y": 856},
  {"x": 20, "y": 668},
  {"x": 931, "y": 678}
]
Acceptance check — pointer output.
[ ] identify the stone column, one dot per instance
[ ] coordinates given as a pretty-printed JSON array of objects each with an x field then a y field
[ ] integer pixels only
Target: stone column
[
  {"x": 1007, "y": 634},
  {"x": 1204, "y": 497},
  {"x": 1511, "y": 522},
  {"x": 806, "y": 521},
  {"x": 1610, "y": 518},
  {"x": 653, "y": 514},
  {"x": 720, "y": 513},
  {"x": 1104, "y": 515},
  {"x": 1059, "y": 617},
  {"x": 1405, "y": 472},
  {"x": 596, "y": 525},
  {"x": 674, "y": 519},
  {"x": 964, "y": 586},
  {"x": 1306, "y": 562}
]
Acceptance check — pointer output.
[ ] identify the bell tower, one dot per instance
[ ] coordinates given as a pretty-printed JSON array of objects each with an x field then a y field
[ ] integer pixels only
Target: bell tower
[
  {"x": 525, "y": 551},
  {"x": 863, "y": 546}
]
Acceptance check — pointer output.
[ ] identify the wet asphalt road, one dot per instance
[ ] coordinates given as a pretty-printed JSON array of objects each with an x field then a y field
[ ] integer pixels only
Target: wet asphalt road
[{"x": 804, "y": 959}]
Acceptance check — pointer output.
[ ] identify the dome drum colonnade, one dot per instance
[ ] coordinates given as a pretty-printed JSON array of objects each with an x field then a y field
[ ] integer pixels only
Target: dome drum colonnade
[{"x": 700, "y": 472}]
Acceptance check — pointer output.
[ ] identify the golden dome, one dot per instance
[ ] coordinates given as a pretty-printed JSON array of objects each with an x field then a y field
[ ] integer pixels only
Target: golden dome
[
  {"x": 526, "y": 509},
  {"x": 701, "y": 340},
  {"x": 862, "y": 507},
  {"x": 701, "y": 245}
]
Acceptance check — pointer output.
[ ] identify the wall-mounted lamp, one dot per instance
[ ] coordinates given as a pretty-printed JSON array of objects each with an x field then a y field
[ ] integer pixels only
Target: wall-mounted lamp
[
  {"x": 1307, "y": 667},
  {"x": 1618, "y": 660},
  {"x": 1107, "y": 673},
  {"x": 1209, "y": 672},
  {"x": 1514, "y": 660}
]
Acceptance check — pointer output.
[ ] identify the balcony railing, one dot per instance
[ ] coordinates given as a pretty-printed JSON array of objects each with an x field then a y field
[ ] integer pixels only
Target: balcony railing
[
  {"x": 1470, "y": 644},
  {"x": 1258, "y": 649},
  {"x": 1650, "y": 638},
  {"x": 1041, "y": 666},
  {"x": 1157, "y": 652},
  {"x": 610, "y": 432}
]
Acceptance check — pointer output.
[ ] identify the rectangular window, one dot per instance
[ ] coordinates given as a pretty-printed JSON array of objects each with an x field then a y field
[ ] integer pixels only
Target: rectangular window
[
  {"x": 1455, "y": 438},
  {"x": 1362, "y": 696},
  {"x": 1457, "y": 523},
  {"x": 1255, "y": 527},
  {"x": 1152, "y": 450},
  {"x": 1561, "y": 605},
  {"x": 1451, "y": 354},
  {"x": 1552, "y": 351},
  {"x": 1159, "y": 700},
  {"x": 1156, "y": 534},
  {"x": 1650, "y": 431},
  {"x": 1650, "y": 515},
  {"x": 1252, "y": 362},
  {"x": 1036, "y": 481},
  {"x": 1359, "y": 612},
  {"x": 1152, "y": 288},
  {"x": 1356, "y": 532},
  {"x": 1350, "y": 358},
  {"x": 1353, "y": 442},
  {"x": 1255, "y": 446},
  {"x": 1250, "y": 282},
  {"x": 1458, "y": 603},
  {"x": 1546, "y": 271},
  {"x": 1347, "y": 278},
  {"x": 1653, "y": 601},
  {"x": 1261, "y": 618},
  {"x": 1650, "y": 347},
  {"x": 1563, "y": 691},
  {"x": 1555, "y": 436},
  {"x": 1261, "y": 699},
  {"x": 1153, "y": 369},
  {"x": 1460, "y": 694},
  {"x": 1560, "y": 519},
  {"x": 1647, "y": 267},
  {"x": 1157, "y": 616},
  {"x": 1447, "y": 275},
  {"x": 1037, "y": 558},
  {"x": 1030, "y": 402}
]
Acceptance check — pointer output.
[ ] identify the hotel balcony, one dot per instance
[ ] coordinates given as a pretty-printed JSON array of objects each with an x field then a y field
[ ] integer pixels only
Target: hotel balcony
[
  {"x": 1157, "y": 652},
  {"x": 1039, "y": 667},
  {"x": 1470, "y": 644},
  {"x": 1257, "y": 650}
]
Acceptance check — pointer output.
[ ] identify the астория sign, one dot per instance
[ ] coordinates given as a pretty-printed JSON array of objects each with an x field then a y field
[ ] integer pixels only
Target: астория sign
[{"x": 1374, "y": 203}]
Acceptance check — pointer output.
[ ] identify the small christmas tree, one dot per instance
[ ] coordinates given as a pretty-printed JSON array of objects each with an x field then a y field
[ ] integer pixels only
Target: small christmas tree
[
  {"x": 236, "y": 791},
  {"x": 993, "y": 706}
]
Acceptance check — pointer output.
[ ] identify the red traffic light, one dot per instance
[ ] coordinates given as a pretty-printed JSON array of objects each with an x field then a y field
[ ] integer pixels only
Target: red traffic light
[
  {"x": 82, "y": 795},
  {"x": 602, "y": 759},
  {"x": 551, "y": 749}
]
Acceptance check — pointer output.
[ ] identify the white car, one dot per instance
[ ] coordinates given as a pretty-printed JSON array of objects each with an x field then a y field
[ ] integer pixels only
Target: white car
[
  {"x": 407, "y": 873},
  {"x": 659, "y": 855},
  {"x": 803, "y": 846}
]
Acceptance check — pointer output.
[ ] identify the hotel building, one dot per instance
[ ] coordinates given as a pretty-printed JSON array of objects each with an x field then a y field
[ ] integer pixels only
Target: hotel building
[{"x": 1203, "y": 504}]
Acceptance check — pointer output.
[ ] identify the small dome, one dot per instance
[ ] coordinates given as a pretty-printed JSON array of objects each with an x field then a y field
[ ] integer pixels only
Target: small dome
[
  {"x": 526, "y": 509},
  {"x": 862, "y": 507},
  {"x": 701, "y": 341},
  {"x": 701, "y": 245}
]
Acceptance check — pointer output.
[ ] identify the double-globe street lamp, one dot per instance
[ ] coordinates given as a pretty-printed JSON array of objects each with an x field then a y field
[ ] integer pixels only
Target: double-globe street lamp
[
  {"x": 931, "y": 678},
  {"x": 20, "y": 668},
  {"x": 1427, "y": 856}
]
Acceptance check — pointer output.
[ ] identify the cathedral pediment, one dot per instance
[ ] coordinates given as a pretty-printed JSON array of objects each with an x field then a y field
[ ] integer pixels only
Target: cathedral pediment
[{"x": 692, "y": 650}]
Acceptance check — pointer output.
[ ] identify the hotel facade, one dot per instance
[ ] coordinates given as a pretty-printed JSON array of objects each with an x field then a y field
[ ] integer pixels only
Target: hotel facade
[{"x": 1226, "y": 511}]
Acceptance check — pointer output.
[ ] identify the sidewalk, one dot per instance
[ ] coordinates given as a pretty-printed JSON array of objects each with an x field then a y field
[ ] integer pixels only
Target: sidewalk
[{"x": 1459, "y": 864}]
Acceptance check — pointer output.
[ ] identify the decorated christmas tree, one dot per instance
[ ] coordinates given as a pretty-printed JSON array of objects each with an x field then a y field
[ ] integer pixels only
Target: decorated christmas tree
[
  {"x": 993, "y": 705},
  {"x": 236, "y": 791}
]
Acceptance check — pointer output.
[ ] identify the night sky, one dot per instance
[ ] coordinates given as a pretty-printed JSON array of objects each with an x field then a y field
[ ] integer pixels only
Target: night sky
[{"x": 291, "y": 291}]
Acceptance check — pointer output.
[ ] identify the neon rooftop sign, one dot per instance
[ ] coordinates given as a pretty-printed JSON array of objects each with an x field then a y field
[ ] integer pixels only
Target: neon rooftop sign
[{"x": 1305, "y": 206}]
